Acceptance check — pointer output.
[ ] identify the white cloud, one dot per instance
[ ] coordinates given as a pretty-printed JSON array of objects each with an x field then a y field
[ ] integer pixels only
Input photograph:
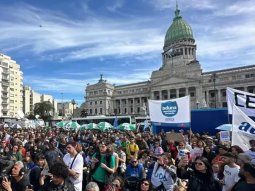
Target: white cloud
[
  {"x": 117, "y": 4},
  {"x": 44, "y": 31},
  {"x": 183, "y": 5}
]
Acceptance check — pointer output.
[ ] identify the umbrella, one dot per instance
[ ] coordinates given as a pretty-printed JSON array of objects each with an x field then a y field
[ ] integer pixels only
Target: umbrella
[
  {"x": 127, "y": 126},
  {"x": 92, "y": 126},
  {"x": 83, "y": 127},
  {"x": 61, "y": 124},
  {"x": 6, "y": 125},
  {"x": 104, "y": 126},
  {"x": 72, "y": 125},
  {"x": 224, "y": 127},
  {"x": 16, "y": 126}
]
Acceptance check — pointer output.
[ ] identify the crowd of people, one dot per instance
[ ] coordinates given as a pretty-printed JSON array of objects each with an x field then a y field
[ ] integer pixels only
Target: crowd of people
[{"x": 63, "y": 160}]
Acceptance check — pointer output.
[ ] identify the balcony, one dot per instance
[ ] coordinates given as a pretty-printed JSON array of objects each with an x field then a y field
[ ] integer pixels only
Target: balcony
[
  {"x": 4, "y": 83},
  {"x": 5, "y": 79},
  {"x": 5, "y": 90},
  {"x": 4, "y": 103},
  {"x": 4, "y": 96},
  {"x": 5, "y": 110},
  {"x": 6, "y": 71}
]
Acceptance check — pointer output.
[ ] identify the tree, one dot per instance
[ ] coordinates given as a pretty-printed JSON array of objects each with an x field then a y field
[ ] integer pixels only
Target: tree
[{"x": 43, "y": 109}]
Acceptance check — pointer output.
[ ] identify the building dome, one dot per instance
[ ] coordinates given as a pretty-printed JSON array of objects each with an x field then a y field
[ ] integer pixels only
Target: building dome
[{"x": 179, "y": 30}]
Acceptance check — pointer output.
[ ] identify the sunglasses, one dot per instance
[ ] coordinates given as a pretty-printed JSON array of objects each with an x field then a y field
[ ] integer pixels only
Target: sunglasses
[
  {"x": 134, "y": 161},
  {"x": 116, "y": 185},
  {"x": 198, "y": 163},
  {"x": 145, "y": 183}
]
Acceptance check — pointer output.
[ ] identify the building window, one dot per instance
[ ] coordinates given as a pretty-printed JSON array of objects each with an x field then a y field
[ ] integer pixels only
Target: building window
[
  {"x": 125, "y": 110},
  {"x": 138, "y": 110},
  {"x": 101, "y": 102},
  {"x": 224, "y": 104},
  {"x": 96, "y": 111},
  {"x": 247, "y": 75},
  {"x": 95, "y": 102},
  {"x": 101, "y": 110},
  {"x": 90, "y": 103}
]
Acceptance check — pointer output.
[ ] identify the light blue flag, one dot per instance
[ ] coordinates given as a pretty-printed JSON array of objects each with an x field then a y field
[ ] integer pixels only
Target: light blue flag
[{"x": 115, "y": 123}]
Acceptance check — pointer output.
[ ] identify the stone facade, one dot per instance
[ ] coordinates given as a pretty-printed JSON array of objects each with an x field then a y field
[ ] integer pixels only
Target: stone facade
[{"x": 180, "y": 74}]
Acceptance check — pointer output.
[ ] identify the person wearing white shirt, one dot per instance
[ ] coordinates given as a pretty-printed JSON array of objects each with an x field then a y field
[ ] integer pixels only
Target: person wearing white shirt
[
  {"x": 74, "y": 161},
  {"x": 231, "y": 172},
  {"x": 163, "y": 175}
]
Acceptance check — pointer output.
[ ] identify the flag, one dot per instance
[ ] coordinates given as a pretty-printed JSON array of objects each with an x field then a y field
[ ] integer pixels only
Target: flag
[
  {"x": 115, "y": 123},
  {"x": 245, "y": 101},
  {"x": 243, "y": 129},
  {"x": 175, "y": 112}
]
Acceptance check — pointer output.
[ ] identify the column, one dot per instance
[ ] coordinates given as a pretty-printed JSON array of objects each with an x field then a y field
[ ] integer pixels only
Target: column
[
  {"x": 168, "y": 91},
  {"x": 177, "y": 92},
  {"x": 219, "y": 99},
  {"x": 207, "y": 98},
  {"x": 160, "y": 95},
  {"x": 133, "y": 105},
  {"x": 121, "y": 106}
]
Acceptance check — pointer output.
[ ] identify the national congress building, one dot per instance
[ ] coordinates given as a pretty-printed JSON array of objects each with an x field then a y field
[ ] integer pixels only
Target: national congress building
[{"x": 180, "y": 74}]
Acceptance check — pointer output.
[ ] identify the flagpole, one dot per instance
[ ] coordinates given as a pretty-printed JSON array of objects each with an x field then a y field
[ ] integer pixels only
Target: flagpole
[{"x": 189, "y": 120}]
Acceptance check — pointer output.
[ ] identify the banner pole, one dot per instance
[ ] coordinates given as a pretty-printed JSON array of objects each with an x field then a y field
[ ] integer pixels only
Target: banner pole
[{"x": 190, "y": 121}]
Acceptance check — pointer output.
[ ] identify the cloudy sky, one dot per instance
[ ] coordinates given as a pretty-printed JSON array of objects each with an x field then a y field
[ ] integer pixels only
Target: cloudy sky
[{"x": 62, "y": 45}]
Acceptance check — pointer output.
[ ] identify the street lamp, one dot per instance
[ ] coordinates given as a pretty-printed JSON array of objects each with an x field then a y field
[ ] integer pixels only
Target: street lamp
[
  {"x": 73, "y": 102},
  {"x": 214, "y": 88}
]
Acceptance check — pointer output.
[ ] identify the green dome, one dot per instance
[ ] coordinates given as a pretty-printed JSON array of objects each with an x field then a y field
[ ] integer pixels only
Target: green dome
[{"x": 179, "y": 30}]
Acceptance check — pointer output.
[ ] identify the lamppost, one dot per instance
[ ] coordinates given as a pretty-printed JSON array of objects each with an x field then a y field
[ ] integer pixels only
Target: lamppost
[
  {"x": 73, "y": 103},
  {"x": 214, "y": 89}
]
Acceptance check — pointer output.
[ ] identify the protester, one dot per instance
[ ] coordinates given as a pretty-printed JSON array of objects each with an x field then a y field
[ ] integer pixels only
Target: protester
[
  {"x": 74, "y": 162},
  {"x": 18, "y": 180},
  {"x": 145, "y": 185},
  {"x": 163, "y": 175},
  {"x": 92, "y": 186},
  {"x": 35, "y": 173},
  {"x": 103, "y": 165},
  {"x": 60, "y": 181},
  {"x": 231, "y": 171},
  {"x": 248, "y": 183},
  {"x": 251, "y": 151},
  {"x": 200, "y": 177}
]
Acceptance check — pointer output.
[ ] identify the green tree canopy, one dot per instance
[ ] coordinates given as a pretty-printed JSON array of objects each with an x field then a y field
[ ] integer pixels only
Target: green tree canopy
[{"x": 43, "y": 109}]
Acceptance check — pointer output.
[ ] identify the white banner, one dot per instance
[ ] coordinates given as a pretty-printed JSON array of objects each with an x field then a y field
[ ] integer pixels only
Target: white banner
[
  {"x": 171, "y": 112},
  {"x": 224, "y": 136},
  {"x": 243, "y": 129},
  {"x": 243, "y": 100}
]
